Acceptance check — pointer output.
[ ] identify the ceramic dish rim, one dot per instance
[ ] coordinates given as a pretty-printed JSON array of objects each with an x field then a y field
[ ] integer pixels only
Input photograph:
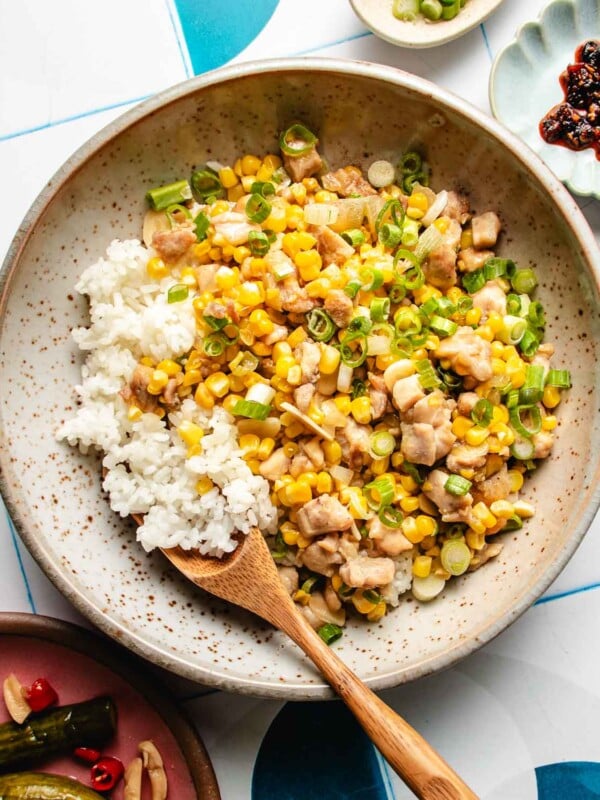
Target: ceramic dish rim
[
  {"x": 531, "y": 163},
  {"x": 533, "y": 23},
  {"x": 123, "y": 664},
  {"x": 435, "y": 40}
]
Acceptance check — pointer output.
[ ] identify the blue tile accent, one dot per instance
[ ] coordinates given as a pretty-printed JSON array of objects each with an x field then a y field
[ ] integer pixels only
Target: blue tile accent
[
  {"x": 15, "y": 542},
  {"x": 559, "y": 595},
  {"x": 216, "y": 31},
  {"x": 486, "y": 41},
  {"x": 317, "y": 751},
  {"x": 572, "y": 780}
]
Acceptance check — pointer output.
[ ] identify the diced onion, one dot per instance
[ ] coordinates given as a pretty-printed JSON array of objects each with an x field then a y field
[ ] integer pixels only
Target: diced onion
[
  {"x": 216, "y": 166},
  {"x": 381, "y": 173},
  {"x": 351, "y": 212},
  {"x": 435, "y": 209},
  {"x": 341, "y": 474},
  {"x": 378, "y": 345},
  {"x": 428, "y": 241},
  {"x": 373, "y": 206},
  {"x": 344, "y": 381},
  {"x": 321, "y": 213}
]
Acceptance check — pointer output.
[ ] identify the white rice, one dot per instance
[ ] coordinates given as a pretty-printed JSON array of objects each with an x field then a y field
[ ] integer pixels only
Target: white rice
[{"x": 148, "y": 471}]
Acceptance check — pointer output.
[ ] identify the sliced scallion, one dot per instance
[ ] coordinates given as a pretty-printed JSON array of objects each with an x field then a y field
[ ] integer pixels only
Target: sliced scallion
[
  {"x": 251, "y": 409},
  {"x": 360, "y": 324},
  {"x": 205, "y": 184},
  {"x": 427, "y": 375},
  {"x": 533, "y": 388},
  {"x": 397, "y": 293},
  {"x": 482, "y": 412},
  {"x": 442, "y": 326},
  {"x": 473, "y": 281},
  {"x": 380, "y": 309},
  {"x": 561, "y": 378},
  {"x": 529, "y": 343},
  {"x": 352, "y": 288},
  {"x": 258, "y": 243},
  {"x": 390, "y": 517},
  {"x": 529, "y": 427},
  {"x": 297, "y": 140},
  {"x": 201, "y": 225},
  {"x": 354, "y": 356},
  {"x": 371, "y": 278},
  {"x": 162, "y": 197},
  {"x": 390, "y": 235},
  {"x": 359, "y": 389},
  {"x": 177, "y": 293},
  {"x": 320, "y": 325},
  {"x": 524, "y": 281},
  {"x": 215, "y": 345},
  {"x": 354, "y": 237},
  {"x": 457, "y": 485},
  {"x": 264, "y": 188},
  {"x": 379, "y": 493},
  {"x": 496, "y": 268},
  {"x": 410, "y": 163},
  {"x": 330, "y": 632},
  {"x": 216, "y": 323},
  {"x": 393, "y": 209},
  {"x": 382, "y": 443},
  {"x": 455, "y": 556},
  {"x": 257, "y": 208}
]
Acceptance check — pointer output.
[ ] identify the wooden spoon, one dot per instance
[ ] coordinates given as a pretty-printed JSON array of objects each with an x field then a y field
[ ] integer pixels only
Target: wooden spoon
[{"x": 248, "y": 578}]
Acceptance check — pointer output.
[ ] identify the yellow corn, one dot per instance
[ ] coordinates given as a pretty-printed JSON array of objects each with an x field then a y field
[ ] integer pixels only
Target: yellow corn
[
  {"x": 476, "y": 435},
  {"x": 134, "y": 413},
  {"x": 309, "y": 264},
  {"x": 524, "y": 509},
  {"x": 203, "y": 397},
  {"x": 265, "y": 448},
  {"x": 190, "y": 433},
  {"x": 156, "y": 268},
  {"x": 158, "y": 382},
  {"x": 228, "y": 177},
  {"x": 411, "y": 531},
  {"x": 310, "y": 478},
  {"x": 250, "y": 164},
  {"x": 476, "y": 541},
  {"x": 549, "y": 423},
  {"x": 290, "y": 536},
  {"x": 251, "y": 293},
  {"x": 360, "y": 409},
  {"x": 276, "y": 221},
  {"x": 296, "y": 337},
  {"x": 332, "y": 452},
  {"x": 516, "y": 480},
  {"x": 484, "y": 515},
  {"x": 283, "y": 365},
  {"x": 260, "y": 323},
  {"x": 418, "y": 200},
  {"x": 473, "y": 316},
  {"x": 249, "y": 444},
  {"x": 409, "y": 504},
  {"x": 421, "y": 567},
  {"x": 318, "y": 288},
  {"x": 461, "y": 425},
  {"x": 281, "y": 349},
  {"x": 324, "y": 483},
  {"x": 204, "y": 485},
  {"x": 427, "y": 506},
  {"x": 234, "y": 194},
  {"x": 336, "y": 582},
  {"x": 426, "y": 525},
  {"x": 294, "y": 376},
  {"x": 551, "y": 397},
  {"x": 442, "y": 224},
  {"x": 217, "y": 384},
  {"x": 466, "y": 239},
  {"x": 294, "y": 215},
  {"x": 502, "y": 509},
  {"x": 477, "y": 526},
  {"x": 343, "y": 403},
  {"x": 498, "y": 366},
  {"x": 315, "y": 413},
  {"x": 230, "y": 401},
  {"x": 330, "y": 359},
  {"x": 297, "y": 493},
  {"x": 226, "y": 278},
  {"x": 361, "y": 604},
  {"x": 378, "y": 612},
  {"x": 169, "y": 366}
]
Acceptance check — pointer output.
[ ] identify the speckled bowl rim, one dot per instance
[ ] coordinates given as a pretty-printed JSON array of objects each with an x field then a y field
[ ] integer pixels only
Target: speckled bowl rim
[
  {"x": 129, "y": 669},
  {"x": 565, "y": 205},
  {"x": 532, "y": 23},
  {"x": 437, "y": 38}
]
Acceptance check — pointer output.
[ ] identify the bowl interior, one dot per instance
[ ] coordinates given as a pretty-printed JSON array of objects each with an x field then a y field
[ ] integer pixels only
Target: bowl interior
[{"x": 53, "y": 492}]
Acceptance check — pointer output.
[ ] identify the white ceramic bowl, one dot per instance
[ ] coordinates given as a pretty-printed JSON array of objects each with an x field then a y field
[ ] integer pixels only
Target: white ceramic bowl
[
  {"x": 360, "y": 112},
  {"x": 524, "y": 85},
  {"x": 377, "y": 16}
]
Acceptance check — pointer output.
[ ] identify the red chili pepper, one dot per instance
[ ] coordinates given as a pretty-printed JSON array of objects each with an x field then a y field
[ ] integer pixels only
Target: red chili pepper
[
  {"x": 87, "y": 754},
  {"x": 106, "y": 773},
  {"x": 40, "y": 695}
]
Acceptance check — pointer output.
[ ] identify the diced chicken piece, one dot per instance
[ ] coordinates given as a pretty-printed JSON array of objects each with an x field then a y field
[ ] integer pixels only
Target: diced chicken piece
[
  {"x": 468, "y": 354},
  {"x": 348, "y": 546},
  {"x": 491, "y": 298},
  {"x": 234, "y": 227},
  {"x": 171, "y": 245},
  {"x": 275, "y": 260},
  {"x": 434, "y": 409},
  {"x": 347, "y": 181},
  {"x": 486, "y": 228},
  {"x": 467, "y": 402},
  {"x": 464, "y": 456},
  {"x": 137, "y": 389},
  {"x": 222, "y": 310},
  {"x": 497, "y": 487},
  {"x": 169, "y": 394},
  {"x": 321, "y": 560},
  {"x": 440, "y": 267},
  {"x": 301, "y": 463},
  {"x": 470, "y": 259},
  {"x": 276, "y": 465},
  {"x": 377, "y": 395},
  {"x": 278, "y": 333},
  {"x": 452, "y": 508},
  {"x": 289, "y": 578},
  {"x": 452, "y": 235},
  {"x": 308, "y": 354},
  {"x": 457, "y": 207},
  {"x": 355, "y": 442},
  {"x": 314, "y": 451},
  {"x": 294, "y": 298},
  {"x": 331, "y": 597},
  {"x": 418, "y": 443},
  {"x": 339, "y": 307},
  {"x": 331, "y": 246},
  {"x": 390, "y": 541},
  {"x": 318, "y": 612},
  {"x": 303, "y": 396},
  {"x": 206, "y": 277},
  {"x": 300, "y": 167},
  {"x": 367, "y": 573},
  {"x": 542, "y": 443},
  {"x": 407, "y": 392},
  {"x": 324, "y": 514},
  {"x": 490, "y": 550}
]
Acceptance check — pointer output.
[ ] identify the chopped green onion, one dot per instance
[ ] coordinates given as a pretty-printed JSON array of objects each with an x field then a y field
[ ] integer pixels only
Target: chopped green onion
[
  {"x": 496, "y": 268},
  {"x": 201, "y": 224},
  {"x": 561, "y": 378},
  {"x": 281, "y": 548},
  {"x": 251, "y": 409},
  {"x": 257, "y": 208},
  {"x": 382, "y": 443},
  {"x": 429, "y": 240},
  {"x": 397, "y": 293},
  {"x": 513, "y": 523},
  {"x": 390, "y": 208},
  {"x": 512, "y": 398},
  {"x": 513, "y": 304},
  {"x": 431, "y": 9},
  {"x": 413, "y": 471},
  {"x": 352, "y": 288},
  {"x": 372, "y": 279},
  {"x": 354, "y": 237},
  {"x": 535, "y": 420},
  {"x": 408, "y": 256},
  {"x": 452, "y": 381},
  {"x": 309, "y": 584},
  {"x": 473, "y": 281},
  {"x": 445, "y": 306},
  {"x": 464, "y": 304},
  {"x": 401, "y": 346},
  {"x": 297, "y": 140},
  {"x": 482, "y": 413},
  {"x": 407, "y": 321},
  {"x": 216, "y": 323},
  {"x": 174, "y": 209},
  {"x": 413, "y": 278},
  {"x": 429, "y": 307},
  {"x": 258, "y": 243},
  {"x": 264, "y": 188},
  {"x": 359, "y": 389},
  {"x": 530, "y": 341},
  {"x": 442, "y": 326},
  {"x": 162, "y": 197},
  {"x": 410, "y": 163},
  {"x": 427, "y": 375},
  {"x": 513, "y": 329},
  {"x": 455, "y": 556},
  {"x": 524, "y": 281},
  {"x": 330, "y": 632},
  {"x": 243, "y": 364},
  {"x": 457, "y": 485},
  {"x": 522, "y": 449},
  {"x": 380, "y": 309},
  {"x": 354, "y": 358},
  {"x": 408, "y": 182},
  {"x": 390, "y": 517},
  {"x": 371, "y": 596},
  {"x": 359, "y": 324},
  {"x": 535, "y": 314},
  {"x": 177, "y": 293},
  {"x": 390, "y": 235},
  {"x": 533, "y": 388},
  {"x": 215, "y": 344},
  {"x": 205, "y": 184},
  {"x": 410, "y": 232},
  {"x": 320, "y": 325},
  {"x": 379, "y": 493},
  {"x": 449, "y": 11}
]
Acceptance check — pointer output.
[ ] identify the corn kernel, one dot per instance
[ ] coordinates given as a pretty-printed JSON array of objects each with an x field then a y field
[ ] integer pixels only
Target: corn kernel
[
  {"x": 251, "y": 293},
  {"x": 226, "y": 278},
  {"x": 260, "y": 323},
  {"x": 502, "y": 509},
  {"x": 411, "y": 530},
  {"x": 191, "y": 377},
  {"x": 156, "y": 268},
  {"x": 551, "y": 397},
  {"x": 190, "y": 433},
  {"x": 250, "y": 164},
  {"x": 234, "y": 194},
  {"x": 265, "y": 448},
  {"x": 409, "y": 504},
  {"x": 516, "y": 480},
  {"x": 343, "y": 403},
  {"x": 476, "y": 541},
  {"x": 230, "y": 402},
  {"x": 498, "y": 366},
  {"x": 323, "y": 196},
  {"x": 466, "y": 239},
  {"x": 361, "y": 603},
  {"x": 476, "y": 435},
  {"x": 297, "y": 493},
  {"x": 228, "y": 177},
  {"x": 283, "y": 365},
  {"x": 281, "y": 349},
  {"x": 290, "y": 537},
  {"x": 315, "y": 413},
  {"x": 523, "y": 509},
  {"x": 332, "y": 452},
  {"x": 249, "y": 444},
  {"x": 134, "y": 413},
  {"x": 460, "y": 426},
  {"x": 473, "y": 316},
  {"x": 427, "y": 506},
  {"x": 217, "y": 384},
  {"x": 378, "y": 612},
  {"x": 477, "y": 526},
  {"x": 203, "y": 397},
  {"x": 218, "y": 207},
  {"x": 240, "y": 253},
  {"x": 324, "y": 483},
  {"x": 158, "y": 382},
  {"x": 421, "y": 567},
  {"x": 549, "y": 423},
  {"x": 360, "y": 409},
  {"x": 426, "y": 525},
  {"x": 309, "y": 263},
  {"x": 276, "y": 221},
  {"x": 318, "y": 288},
  {"x": 201, "y": 249},
  {"x": 418, "y": 200},
  {"x": 442, "y": 224},
  {"x": 484, "y": 515},
  {"x": 204, "y": 485}
]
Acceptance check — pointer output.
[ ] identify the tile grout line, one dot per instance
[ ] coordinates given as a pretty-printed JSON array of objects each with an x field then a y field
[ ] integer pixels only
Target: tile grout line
[
  {"x": 180, "y": 37},
  {"x": 15, "y": 542}
]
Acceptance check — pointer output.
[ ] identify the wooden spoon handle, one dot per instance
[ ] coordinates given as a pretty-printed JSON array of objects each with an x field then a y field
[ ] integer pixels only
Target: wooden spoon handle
[{"x": 417, "y": 763}]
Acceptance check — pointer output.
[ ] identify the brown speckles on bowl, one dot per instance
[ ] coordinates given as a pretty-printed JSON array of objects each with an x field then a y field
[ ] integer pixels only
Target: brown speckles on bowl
[{"x": 54, "y": 492}]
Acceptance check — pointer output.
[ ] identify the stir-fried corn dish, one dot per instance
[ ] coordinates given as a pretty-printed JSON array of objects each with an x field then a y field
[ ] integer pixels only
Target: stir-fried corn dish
[{"x": 383, "y": 371}]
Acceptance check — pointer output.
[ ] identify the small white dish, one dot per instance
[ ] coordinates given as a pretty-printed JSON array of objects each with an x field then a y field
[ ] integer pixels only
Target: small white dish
[
  {"x": 378, "y": 17},
  {"x": 524, "y": 85}
]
